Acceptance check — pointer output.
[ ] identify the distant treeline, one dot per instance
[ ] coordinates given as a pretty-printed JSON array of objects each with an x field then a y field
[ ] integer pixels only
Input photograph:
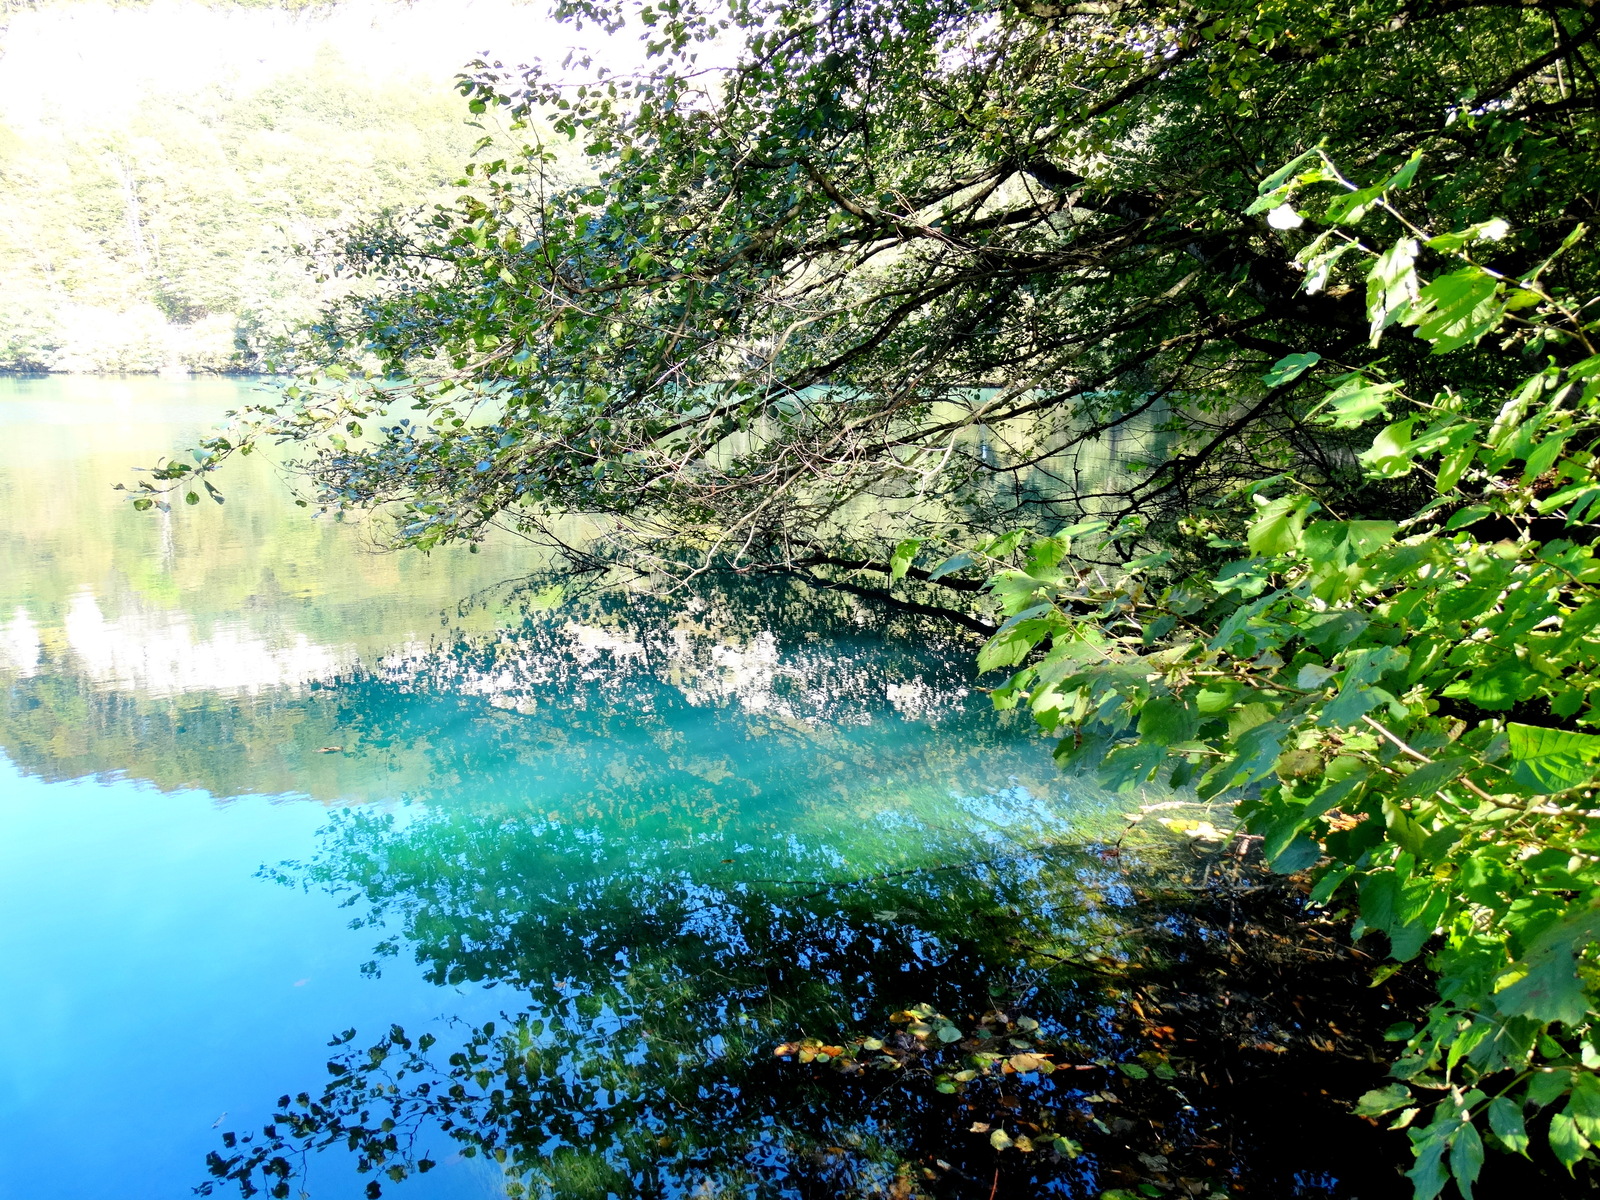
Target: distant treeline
[{"x": 162, "y": 238}]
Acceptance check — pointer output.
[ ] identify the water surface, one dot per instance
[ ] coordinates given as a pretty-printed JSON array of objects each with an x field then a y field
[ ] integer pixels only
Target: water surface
[{"x": 500, "y": 794}]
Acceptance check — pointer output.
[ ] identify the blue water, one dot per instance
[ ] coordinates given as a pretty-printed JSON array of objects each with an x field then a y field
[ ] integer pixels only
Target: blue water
[{"x": 553, "y": 791}]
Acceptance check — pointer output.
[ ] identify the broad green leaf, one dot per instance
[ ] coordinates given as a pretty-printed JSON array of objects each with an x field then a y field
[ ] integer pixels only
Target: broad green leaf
[
  {"x": 1352, "y": 206},
  {"x": 1302, "y": 852},
  {"x": 1290, "y": 368},
  {"x": 1356, "y": 401},
  {"x": 1404, "y": 177},
  {"x": 1584, "y": 1107},
  {"x": 1383, "y": 1100},
  {"x": 1546, "y": 1086},
  {"x": 956, "y": 562},
  {"x": 1505, "y": 1119},
  {"x": 1391, "y": 285},
  {"x": 1276, "y": 530},
  {"x": 1551, "y": 760},
  {"x": 1429, "y": 1176},
  {"x": 1340, "y": 543},
  {"x": 1217, "y": 697},
  {"x": 904, "y": 554},
  {"x": 1466, "y": 516},
  {"x": 1009, "y": 648},
  {"x": 1551, "y": 989},
  {"x": 1392, "y": 451},
  {"x": 1430, "y": 777},
  {"x": 1484, "y": 231},
  {"x": 1466, "y": 1158},
  {"x": 1565, "y": 1141},
  {"x": 1164, "y": 722},
  {"x": 1277, "y": 179},
  {"x": 1456, "y": 309},
  {"x": 1312, "y": 676}
]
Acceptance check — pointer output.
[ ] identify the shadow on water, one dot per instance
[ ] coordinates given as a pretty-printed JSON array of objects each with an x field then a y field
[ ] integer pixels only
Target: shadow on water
[{"x": 639, "y": 1058}]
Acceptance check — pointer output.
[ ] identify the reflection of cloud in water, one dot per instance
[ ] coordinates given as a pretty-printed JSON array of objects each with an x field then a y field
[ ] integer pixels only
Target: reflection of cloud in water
[
  {"x": 158, "y": 653},
  {"x": 699, "y": 656},
  {"x": 917, "y": 701},
  {"x": 702, "y": 664},
  {"x": 20, "y": 647}
]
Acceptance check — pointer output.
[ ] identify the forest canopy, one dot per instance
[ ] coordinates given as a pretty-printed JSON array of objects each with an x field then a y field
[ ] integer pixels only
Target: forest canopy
[{"x": 917, "y": 272}]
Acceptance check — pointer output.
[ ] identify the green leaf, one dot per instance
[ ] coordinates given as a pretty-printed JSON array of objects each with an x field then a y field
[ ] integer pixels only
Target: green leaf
[
  {"x": 1277, "y": 179},
  {"x": 1466, "y": 516},
  {"x": 1299, "y": 854},
  {"x": 1428, "y": 1177},
  {"x": 1277, "y": 529},
  {"x": 1566, "y": 1142},
  {"x": 1551, "y": 989},
  {"x": 1430, "y": 777},
  {"x": 1391, "y": 285},
  {"x": 1356, "y": 401},
  {"x": 1164, "y": 722},
  {"x": 1546, "y": 1086},
  {"x": 956, "y": 562},
  {"x": 1290, "y": 368},
  {"x": 1405, "y": 175},
  {"x": 1456, "y": 309},
  {"x": 1505, "y": 1119},
  {"x": 1551, "y": 760},
  {"x": 1011, "y": 647},
  {"x": 1466, "y": 1158},
  {"x": 904, "y": 554},
  {"x": 1484, "y": 231},
  {"x": 1341, "y": 543},
  {"x": 1584, "y": 1107},
  {"x": 1352, "y": 206}
]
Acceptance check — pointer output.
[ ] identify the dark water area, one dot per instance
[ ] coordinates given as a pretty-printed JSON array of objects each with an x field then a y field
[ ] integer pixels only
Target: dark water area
[{"x": 455, "y": 877}]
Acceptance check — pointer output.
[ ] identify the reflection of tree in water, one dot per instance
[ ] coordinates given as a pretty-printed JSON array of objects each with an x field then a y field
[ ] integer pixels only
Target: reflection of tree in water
[
  {"x": 640, "y": 1062},
  {"x": 597, "y": 701}
]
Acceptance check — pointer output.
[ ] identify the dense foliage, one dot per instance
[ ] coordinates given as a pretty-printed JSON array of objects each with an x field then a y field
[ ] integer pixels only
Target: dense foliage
[
  {"x": 1407, "y": 698},
  {"x": 914, "y": 270}
]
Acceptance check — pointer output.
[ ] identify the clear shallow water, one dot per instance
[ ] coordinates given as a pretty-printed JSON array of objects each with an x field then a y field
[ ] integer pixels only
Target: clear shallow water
[{"x": 609, "y": 806}]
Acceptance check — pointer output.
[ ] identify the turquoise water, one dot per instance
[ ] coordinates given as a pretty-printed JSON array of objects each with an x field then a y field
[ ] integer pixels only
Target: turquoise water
[{"x": 498, "y": 791}]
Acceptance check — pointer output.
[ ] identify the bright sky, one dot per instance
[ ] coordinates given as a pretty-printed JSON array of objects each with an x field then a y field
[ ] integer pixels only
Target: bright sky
[{"x": 82, "y": 61}]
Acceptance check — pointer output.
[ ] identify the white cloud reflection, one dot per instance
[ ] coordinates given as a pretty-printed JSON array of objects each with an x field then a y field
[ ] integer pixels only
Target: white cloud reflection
[
  {"x": 159, "y": 653},
  {"x": 702, "y": 659},
  {"x": 21, "y": 649}
]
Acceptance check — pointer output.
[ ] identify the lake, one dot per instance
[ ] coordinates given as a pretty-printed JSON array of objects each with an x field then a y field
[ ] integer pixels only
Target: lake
[
  {"x": 525, "y": 788},
  {"x": 332, "y": 872}
]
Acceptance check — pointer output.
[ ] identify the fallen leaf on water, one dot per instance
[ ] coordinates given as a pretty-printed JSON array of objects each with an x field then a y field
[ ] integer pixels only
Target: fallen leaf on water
[{"x": 979, "y": 1127}]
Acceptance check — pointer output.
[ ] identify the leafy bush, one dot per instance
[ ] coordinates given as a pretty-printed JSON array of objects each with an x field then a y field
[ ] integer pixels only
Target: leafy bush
[{"x": 1408, "y": 702}]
